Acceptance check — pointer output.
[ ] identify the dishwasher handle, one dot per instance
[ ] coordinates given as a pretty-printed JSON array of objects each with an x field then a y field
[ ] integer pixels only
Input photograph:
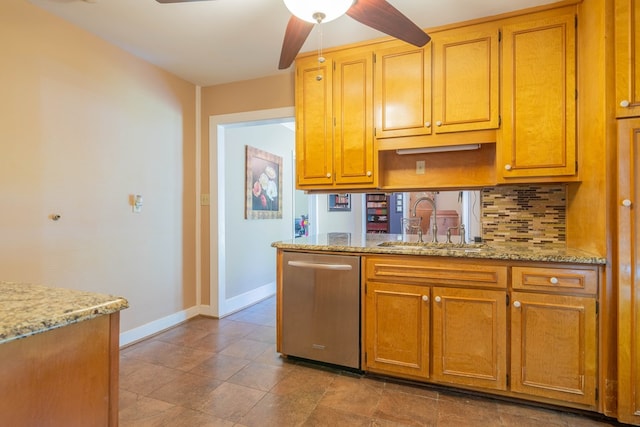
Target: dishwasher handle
[{"x": 320, "y": 266}]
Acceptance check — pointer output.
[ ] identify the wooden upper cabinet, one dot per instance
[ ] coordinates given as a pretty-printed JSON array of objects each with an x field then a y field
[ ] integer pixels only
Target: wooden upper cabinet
[
  {"x": 353, "y": 110},
  {"x": 554, "y": 347},
  {"x": 402, "y": 90},
  {"x": 470, "y": 337},
  {"x": 314, "y": 122},
  {"x": 538, "y": 137},
  {"x": 627, "y": 51},
  {"x": 334, "y": 121},
  {"x": 466, "y": 79}
]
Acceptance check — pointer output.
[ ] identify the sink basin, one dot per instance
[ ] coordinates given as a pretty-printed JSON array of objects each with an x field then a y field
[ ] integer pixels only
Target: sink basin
[{"x": 459, "y": 247}]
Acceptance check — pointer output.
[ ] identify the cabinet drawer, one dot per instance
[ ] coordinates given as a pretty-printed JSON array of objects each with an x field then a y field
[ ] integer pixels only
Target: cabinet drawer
[
  {"x": 435, "y": 272},
  {"x": 584, "y": 281}
]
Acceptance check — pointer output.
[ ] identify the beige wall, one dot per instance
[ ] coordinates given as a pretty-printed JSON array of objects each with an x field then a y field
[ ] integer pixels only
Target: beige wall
[
  {"x": 82, "y": 126},
  {"x": 252, "y": 95}
]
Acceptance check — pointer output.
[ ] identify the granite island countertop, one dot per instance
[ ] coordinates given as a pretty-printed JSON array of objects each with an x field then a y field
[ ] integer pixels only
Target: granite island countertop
[
  {"x": 28, "y": 309},
  {"x": 371, "y": 244}
]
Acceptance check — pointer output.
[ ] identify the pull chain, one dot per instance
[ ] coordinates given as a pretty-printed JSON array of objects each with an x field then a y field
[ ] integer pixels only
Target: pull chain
[{"x": 319, "y": 17}]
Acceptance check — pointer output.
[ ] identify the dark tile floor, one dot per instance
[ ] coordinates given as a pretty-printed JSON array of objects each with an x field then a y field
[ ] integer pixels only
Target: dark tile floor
[{"x": 209, "y": 372}]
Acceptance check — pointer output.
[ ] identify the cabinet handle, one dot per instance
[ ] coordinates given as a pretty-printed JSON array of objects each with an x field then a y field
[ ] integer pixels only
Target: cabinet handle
[
  {"x": 328, "y": 175},
  {"x": 438, "y": 299},
  {"x": 516, "y": 304},
  {"x": 425, "y": 298},
  {"x": 438, "y": 123},
  {"x": 427, "y": 124},
  {"x": 626, "y": 203},
  {"x": 554, "y": 280},
  {"x": 369, "y": 173},
  {"x": 507, "y": 167},
  {"x": 624, "y": 103}
]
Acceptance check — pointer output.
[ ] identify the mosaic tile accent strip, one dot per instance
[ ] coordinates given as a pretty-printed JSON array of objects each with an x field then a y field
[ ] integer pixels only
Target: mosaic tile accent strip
[{"x": 524, "y": 213}]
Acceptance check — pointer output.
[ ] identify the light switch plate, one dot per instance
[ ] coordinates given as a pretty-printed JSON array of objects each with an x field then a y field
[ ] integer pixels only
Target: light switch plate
[
  {"x": 420, "y": 167},
  {"x": 137, "y": 202}
]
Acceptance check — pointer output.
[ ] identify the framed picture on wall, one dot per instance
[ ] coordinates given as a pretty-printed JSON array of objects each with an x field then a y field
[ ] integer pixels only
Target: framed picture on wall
[
  {"x": 263, "y": 184},
  {"x": 339, "y": 202}
]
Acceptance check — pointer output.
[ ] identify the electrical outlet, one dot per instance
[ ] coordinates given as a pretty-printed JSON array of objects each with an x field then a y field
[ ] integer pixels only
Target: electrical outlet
[
  {"x": 420, "y": 167},
  {"x": 204, "y": 200}
]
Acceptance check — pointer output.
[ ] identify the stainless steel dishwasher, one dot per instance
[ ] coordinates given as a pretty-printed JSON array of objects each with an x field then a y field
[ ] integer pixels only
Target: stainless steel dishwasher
[{"x": 321, "y": 308}]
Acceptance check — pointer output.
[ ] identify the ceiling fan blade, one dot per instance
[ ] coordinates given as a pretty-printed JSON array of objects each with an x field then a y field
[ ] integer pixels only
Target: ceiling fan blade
[
  {"x": 382, "y": 16},
  {"x": 294, "y": 37},
  {"x": 176, "y": 1}
]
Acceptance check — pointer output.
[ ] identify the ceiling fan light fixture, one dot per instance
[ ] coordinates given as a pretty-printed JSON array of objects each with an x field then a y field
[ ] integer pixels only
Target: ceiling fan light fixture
[{"x": 316, "y": 11}]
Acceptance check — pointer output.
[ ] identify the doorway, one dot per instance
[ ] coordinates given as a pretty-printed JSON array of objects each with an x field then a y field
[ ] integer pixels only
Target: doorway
[{"x": 237, "y": 243}]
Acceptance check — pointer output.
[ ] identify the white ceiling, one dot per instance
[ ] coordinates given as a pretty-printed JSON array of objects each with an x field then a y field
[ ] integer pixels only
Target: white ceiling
[{"x": 220, "y": 41}]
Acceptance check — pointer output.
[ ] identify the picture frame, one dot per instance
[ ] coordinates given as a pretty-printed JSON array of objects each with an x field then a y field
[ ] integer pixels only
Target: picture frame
[
  {"x": 263, "y": 184},
  {"x": 339, "y": 202}
]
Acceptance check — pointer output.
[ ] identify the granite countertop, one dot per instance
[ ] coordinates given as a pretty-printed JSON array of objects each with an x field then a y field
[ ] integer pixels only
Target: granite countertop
[
  {"x": 370, "y": 244},
  {"x": 29, "y": 309}
]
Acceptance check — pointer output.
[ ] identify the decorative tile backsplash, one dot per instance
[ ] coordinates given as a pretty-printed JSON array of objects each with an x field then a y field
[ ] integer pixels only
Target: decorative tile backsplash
[{"x": 524, "y": 213}]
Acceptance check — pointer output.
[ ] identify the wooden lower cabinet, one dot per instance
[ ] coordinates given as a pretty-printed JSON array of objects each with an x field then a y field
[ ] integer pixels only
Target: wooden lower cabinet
[
  {"x": 523, "y": 330},
  {"x": 397, "y": 329},
  {"x": 554, "y": 347},
  {"x": 63, "y": 377},
  {"x": 470, "y": 337}
]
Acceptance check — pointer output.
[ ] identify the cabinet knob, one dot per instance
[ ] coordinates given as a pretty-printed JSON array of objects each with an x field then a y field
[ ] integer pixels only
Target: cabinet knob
[
  {"x": 624, "y": 103},
  {"x": 425, "y": 298},
  {"x": 438, "y": 299},
  {"x": 516, "y": 304},
  {"x": 507, "y": 167},
  {"x": 626, "y": 203},
  {"x": 438, "y": 123},
  {"x": 369, "y": 173},
  {"x": 427, "y": 124},
  {"x": 554, "y": 280},
  {"x": 319, "y": 77},
  {"x": 328, "y": 174}
]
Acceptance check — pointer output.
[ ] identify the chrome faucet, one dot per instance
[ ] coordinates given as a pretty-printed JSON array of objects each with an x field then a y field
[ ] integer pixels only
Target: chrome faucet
[
  {"x": 463, "y": 240},
  {"x": 434, "y": 226}
]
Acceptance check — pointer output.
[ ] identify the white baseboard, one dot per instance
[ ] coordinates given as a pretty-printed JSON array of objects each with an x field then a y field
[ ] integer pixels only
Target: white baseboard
[
  {"x": 228, "y": 307},
  {"x": 247, "y": 299},
  {"x": 239, "y": 302},
  {"x": 156, "y": 326}
]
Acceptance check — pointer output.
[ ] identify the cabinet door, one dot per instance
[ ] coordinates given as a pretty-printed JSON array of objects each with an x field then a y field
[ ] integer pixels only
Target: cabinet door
[
  {"x": 397, "y": 329},
  {"x": 465, "y": 79},
  {"x": 470, "y": 337},
  {"x": 353, "y": 109},
  {"x": 628, "y": 271},
  {"x": 553, "y": 347},
  {"x": 627, "y": 47},
  {"x": 538, "y": 137},
  {"x": 314, "y": 127},
  {"x": 403, "y": 90}
]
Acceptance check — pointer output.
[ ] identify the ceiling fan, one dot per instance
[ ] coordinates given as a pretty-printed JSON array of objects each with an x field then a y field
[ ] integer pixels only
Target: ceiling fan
[{"x": 377, "y": 14}]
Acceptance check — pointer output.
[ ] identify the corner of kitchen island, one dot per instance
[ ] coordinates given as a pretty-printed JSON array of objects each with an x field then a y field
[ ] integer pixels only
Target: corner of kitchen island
[{"x": 60, "y": 356}]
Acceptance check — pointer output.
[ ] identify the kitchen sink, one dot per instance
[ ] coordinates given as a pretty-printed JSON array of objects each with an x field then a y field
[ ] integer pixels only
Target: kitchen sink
[{"x": 432, "y": 246}]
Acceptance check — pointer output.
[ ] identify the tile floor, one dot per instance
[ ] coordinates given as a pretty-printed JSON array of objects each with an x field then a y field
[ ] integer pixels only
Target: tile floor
[{"x": 209, "y": 372}]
